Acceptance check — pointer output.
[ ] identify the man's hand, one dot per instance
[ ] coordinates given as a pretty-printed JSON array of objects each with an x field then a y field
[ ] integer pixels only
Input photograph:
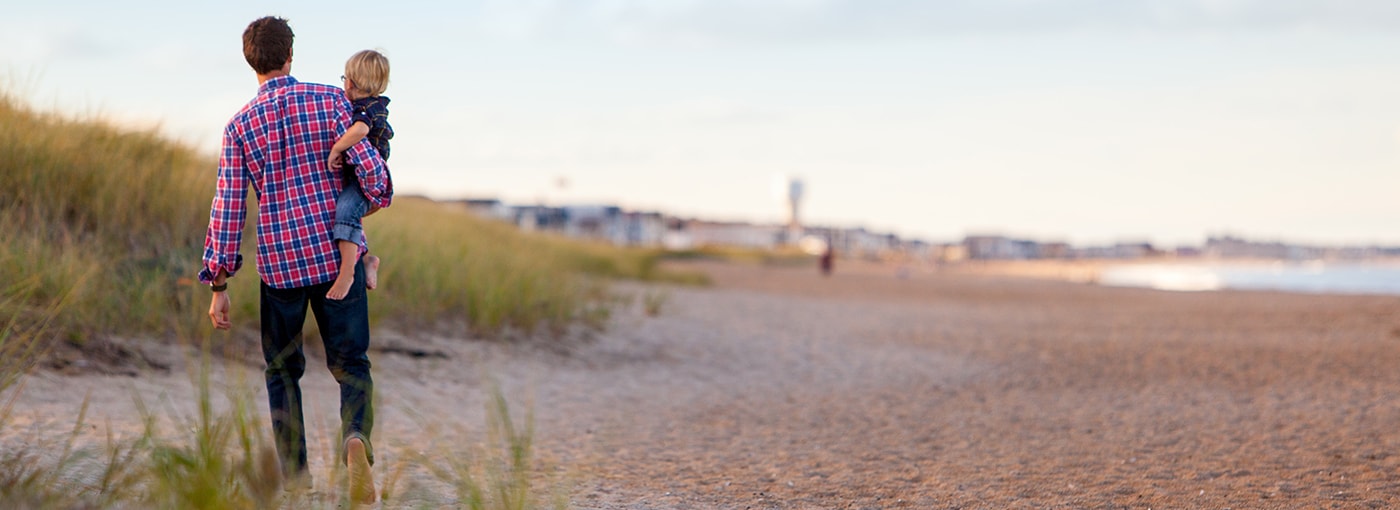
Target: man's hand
[
  {"x": 218, "y": 310},
  {"x": 336, "y": 160}
]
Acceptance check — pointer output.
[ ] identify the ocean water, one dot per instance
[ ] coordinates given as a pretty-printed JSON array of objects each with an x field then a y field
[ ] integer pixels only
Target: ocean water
[{"x": 1311, "y": 277}]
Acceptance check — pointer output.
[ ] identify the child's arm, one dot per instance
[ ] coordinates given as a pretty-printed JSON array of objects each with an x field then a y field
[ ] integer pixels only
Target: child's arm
[{"x": 351, "y": 137}]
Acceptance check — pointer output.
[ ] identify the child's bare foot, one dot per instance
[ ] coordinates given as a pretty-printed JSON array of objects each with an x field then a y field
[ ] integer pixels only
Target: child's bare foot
[
  {"x": 342, "y": 285},
  {"x": 371, "y": 272}
]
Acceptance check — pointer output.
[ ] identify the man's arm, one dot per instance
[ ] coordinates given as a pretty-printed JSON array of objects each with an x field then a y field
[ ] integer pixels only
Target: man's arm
[
  {"x": 358, "y": 130},
  {"x": 227, "y": 214},
  {"x": 373, "y": 174}
]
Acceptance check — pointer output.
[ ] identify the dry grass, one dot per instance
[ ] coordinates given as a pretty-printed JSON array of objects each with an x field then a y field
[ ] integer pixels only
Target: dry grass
[
  {"x": 102, "y": 234},
  {"x": 114, "y": 220}
]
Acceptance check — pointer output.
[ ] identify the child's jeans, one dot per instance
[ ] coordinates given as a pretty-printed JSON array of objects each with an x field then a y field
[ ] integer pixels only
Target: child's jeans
[{"x": 349, "y": 208}]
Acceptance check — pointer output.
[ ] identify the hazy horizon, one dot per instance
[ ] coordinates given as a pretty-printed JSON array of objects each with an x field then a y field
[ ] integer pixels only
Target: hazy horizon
[{"x": 1087, "y": 121}]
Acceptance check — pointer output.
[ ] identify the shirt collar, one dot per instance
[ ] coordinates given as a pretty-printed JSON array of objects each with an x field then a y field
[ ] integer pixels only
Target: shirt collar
[
  {"x": 377, "y": 100},
  {"x": 276, "y": 82}
]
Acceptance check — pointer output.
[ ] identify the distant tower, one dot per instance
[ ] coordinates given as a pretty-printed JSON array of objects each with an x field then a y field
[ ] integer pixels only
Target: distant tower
[{"x": 794, "y": 202}]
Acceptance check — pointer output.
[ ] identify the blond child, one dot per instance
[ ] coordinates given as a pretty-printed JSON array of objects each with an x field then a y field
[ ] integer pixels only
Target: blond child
[{"x": 366, "y": 77}]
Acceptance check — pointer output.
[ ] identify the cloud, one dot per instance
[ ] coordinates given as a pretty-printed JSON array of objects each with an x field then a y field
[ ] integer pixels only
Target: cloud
[
  {"x": 720, "y": 21},
  {"x": 39, "y": 45}
]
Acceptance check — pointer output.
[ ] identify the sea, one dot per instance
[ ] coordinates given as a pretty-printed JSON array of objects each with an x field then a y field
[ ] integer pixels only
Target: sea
[{"x": 1309, "y": 277}]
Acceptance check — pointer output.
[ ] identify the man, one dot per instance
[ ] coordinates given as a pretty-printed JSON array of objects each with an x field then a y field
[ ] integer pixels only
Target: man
[{"x": 279, "y": 143}]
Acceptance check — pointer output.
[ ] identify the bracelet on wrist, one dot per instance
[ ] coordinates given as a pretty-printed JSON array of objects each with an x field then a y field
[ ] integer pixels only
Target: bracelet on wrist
[{"x": 219, "y": 287}]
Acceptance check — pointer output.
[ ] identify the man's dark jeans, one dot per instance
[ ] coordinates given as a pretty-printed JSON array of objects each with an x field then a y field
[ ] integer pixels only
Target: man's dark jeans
[{"x": 344, "y": 326}]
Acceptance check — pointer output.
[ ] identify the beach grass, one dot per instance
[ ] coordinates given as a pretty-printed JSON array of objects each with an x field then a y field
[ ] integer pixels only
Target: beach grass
[
  {"x": 102, "y": 236},
  {"x": 114, "y": 219},
  {"x": 219, "y": 457},
  {"x": 784, "y": 256},
  {"x": 503, "y": 473},
  {"x": 500, "y": 277}
]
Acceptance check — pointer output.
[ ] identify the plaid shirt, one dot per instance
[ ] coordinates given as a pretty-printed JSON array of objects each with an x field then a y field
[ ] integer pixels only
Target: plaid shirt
[
  {"x": 374, "y": 112},
  {"x": 279, "y": 143}
]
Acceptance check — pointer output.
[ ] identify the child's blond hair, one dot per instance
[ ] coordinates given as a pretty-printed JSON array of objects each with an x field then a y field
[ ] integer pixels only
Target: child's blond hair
[{"x": 368, "y": 72}]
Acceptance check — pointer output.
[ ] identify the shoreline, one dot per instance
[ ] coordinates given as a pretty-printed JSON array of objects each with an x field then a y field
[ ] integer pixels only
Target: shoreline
[{"x": 1190, "y": 274}]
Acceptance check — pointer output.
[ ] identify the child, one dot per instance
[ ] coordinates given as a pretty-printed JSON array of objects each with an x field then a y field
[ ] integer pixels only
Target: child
[{"x": 366, "y": 77}]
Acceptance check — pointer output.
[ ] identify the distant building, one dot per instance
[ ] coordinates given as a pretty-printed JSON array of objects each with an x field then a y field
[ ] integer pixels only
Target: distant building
[
  {"x": 993, "y": 247},
  {"x": 917, "y": 251},
  {"x": 1127, "y": 250},
  {"x": 599, "y": 222},
  {"x": 641, "y": 229},
  {"x": 1233, "y": 247},
  {"x": 1056, "y": 250},
  {"x": 1134, "y": 250},
  {"x": 950, "y": 253},
  {"x": 537, "y": 217},
  {"x": 488, "y": 208},
  {"x": 1186, "y": 252},
  {"x": 698, "y": 234},
  {"x": 794, "y": 203}
]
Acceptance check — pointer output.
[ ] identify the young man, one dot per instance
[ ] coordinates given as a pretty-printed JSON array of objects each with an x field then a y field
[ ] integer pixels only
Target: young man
[{"x": 279, "y": 143}]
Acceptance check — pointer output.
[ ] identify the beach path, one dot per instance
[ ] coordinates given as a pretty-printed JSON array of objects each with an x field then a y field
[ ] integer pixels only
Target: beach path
[{"x": 878, "y": 388}]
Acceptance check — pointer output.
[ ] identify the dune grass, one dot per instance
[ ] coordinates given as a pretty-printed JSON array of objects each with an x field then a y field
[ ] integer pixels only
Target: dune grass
[
  {"x": 223, "y": 460},
  {"x": 101, "y": 231},
  {"x": 220, "y": 457},
  {"x": 103, "y": 215},
  {"x": 459, "y": 266},
  {"x": 782, "y": 256},
  {"x": 114, "y": 219},
  {"x": 488, "y": 270}
]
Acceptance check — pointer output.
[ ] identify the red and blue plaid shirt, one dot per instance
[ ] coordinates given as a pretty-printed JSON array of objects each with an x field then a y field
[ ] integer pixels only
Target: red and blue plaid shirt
[{"x": 279, "y": 142}]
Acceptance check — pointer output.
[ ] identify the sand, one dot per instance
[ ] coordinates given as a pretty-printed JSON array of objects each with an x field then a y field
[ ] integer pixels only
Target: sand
[{"x": 877, "y": 388}]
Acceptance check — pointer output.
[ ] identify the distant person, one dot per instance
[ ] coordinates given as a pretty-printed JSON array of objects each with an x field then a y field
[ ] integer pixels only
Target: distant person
[
  {"x": 827, "y": 259},
  {"x": 366, "y": 76},
  {"x": 277, "y": 144}
]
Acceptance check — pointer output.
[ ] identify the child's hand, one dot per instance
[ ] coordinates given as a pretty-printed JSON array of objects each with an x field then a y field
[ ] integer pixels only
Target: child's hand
[
  {"x": 372, "y": 210},
  {"x": 336, "y": 160}
]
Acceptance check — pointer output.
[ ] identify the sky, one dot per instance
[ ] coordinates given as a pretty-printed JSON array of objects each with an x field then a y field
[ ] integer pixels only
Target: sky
[{"x": 1086, "y": 121}]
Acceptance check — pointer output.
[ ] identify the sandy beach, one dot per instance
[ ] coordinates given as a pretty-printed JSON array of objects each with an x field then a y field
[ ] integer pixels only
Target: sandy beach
[{"x": 777, "y": 388}]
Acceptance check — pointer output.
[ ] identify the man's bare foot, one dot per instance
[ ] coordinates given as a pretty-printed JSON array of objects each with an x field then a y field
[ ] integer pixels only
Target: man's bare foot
[
  {"x": 371, "y": 272},
  {"x": 361, "y": 478},
  {"x": 342, "y": 285}
]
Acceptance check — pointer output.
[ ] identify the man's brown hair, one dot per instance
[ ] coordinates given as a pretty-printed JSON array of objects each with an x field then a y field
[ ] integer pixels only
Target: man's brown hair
[{"x": 267, "y": 44}]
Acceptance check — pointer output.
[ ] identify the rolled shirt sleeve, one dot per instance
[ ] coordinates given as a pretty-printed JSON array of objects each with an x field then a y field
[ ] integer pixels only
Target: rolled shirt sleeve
[
  {"x": 227, "y": 213},
  {"x": 373, "y": 174},
  {"x": 358, "y": 115}
]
